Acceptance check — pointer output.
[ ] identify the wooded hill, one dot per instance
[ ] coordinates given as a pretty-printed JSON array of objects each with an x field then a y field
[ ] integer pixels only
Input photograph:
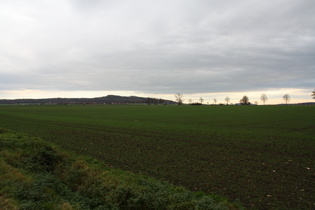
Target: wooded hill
[{"x": 110, "y": 99}]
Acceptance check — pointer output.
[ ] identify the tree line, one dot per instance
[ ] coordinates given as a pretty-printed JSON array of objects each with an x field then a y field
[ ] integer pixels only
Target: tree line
[{"x": 179, "y": 98}]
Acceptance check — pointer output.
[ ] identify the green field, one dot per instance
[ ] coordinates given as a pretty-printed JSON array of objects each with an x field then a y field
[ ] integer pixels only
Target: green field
[
  {"x": 263, "y": 155},
  {"x": 36, "y": 174}
]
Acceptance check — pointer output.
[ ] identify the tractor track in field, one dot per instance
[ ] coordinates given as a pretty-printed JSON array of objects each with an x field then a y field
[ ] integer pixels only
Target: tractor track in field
[
  {"x": 122, "y": 131},
  {"x": 192, "y": 140}
]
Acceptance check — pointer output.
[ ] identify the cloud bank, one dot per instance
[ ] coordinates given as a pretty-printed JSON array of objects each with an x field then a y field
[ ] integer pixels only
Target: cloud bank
[{"x": 157, "y": 47}]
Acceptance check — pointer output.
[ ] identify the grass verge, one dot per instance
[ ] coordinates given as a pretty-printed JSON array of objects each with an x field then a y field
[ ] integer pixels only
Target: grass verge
[{"x": 35, "y": 174}]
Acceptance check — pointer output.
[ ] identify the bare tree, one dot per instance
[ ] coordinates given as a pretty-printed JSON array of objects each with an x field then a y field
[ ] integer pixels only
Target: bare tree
[
  {"x": 313, "y": 94},
  {"x": 201, "y": 100},
  {"x": 190, "y": 101},
  {"x": 215, "y": 101},
  {"x": 286, "y": 98},
  {"x": 179, "y": 98},
  {"x": 264, "y": 98},
  {"x": 244, "y": 100},
  {"x": 227, "y": 99}
]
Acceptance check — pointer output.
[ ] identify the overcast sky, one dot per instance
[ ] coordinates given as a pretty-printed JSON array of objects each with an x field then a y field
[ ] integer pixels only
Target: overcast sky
[{"x": 200, "y": 48}]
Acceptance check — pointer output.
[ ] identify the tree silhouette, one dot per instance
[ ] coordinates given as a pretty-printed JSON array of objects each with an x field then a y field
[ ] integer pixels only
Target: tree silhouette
[
  {"x": 313, "y": 94},
  {"x": 264, "y": 98},
  {"x": 179, "y": 98},
  {"x": 227, "y": 99},
  {"x": 286, "y": 98},
  {"x": 201, "y": 100},
  {"x": 244, "y": 100},
  {"x": 215, "y": 101}
]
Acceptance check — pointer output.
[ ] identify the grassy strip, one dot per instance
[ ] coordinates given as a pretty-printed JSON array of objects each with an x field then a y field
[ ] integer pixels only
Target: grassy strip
[{"x": 35, "y": 174}]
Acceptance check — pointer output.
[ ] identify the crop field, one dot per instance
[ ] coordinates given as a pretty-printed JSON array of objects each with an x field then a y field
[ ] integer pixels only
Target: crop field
[{"x": 262, "y": 155}]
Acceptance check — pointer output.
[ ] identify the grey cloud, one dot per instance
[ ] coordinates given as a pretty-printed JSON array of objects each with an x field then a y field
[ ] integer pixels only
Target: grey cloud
[{"x": 158, "y": 46}]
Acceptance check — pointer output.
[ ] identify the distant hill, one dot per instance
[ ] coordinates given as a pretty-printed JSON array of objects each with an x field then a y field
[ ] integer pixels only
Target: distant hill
[
  {"x": 110, "y": 99},
  {"x": 304, "y": 103}
]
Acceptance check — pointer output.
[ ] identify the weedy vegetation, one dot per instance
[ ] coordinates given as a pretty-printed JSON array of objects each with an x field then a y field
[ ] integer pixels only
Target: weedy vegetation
[
  {"x": 35, "y": 174},
  {"x": 262, "y": 155}
]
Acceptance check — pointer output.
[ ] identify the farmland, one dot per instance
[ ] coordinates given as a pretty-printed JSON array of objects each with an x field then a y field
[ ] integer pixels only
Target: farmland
[
  {"x": 262, "y": 155},
  {"x": 36, "y": 174}
]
